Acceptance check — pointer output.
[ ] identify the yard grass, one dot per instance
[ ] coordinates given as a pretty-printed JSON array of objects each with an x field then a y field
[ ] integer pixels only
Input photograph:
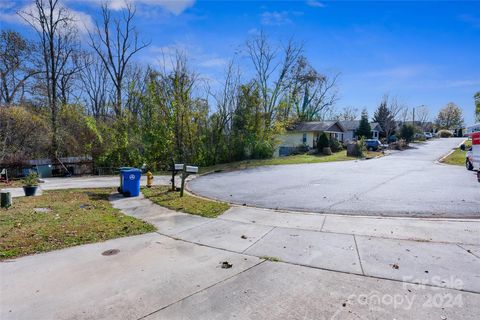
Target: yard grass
[
  {"x": 12, "y": 184},
  {"x": 458, "y": 156},
  {"x": 162, "y": 195},
  {"x": 296, "y": 159},
  {"x": 66, "y": 218}
]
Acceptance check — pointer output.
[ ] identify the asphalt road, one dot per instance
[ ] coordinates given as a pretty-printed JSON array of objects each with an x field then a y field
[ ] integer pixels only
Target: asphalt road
[{"x": 408, "y": 183}]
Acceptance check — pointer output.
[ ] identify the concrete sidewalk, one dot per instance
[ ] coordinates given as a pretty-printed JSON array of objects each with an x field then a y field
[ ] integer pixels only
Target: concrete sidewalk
[
  {"x": 156, "y": 277},
  {"x": 331, "y": 267},
  {"x": 389, "y": 248}
]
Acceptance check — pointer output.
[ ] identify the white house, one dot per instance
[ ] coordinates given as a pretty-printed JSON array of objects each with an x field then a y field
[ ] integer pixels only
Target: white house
[
  {"x": 305, "y": 134},
  {"x": 352, "y": 126}
]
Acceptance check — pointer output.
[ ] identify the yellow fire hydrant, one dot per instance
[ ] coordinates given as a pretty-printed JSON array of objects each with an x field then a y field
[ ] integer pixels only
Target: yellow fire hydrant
[{"x": 149, "y": 179}]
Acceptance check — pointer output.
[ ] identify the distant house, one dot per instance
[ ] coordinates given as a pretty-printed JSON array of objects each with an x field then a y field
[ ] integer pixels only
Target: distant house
[
  {"x": 305, "y": 135},
  {"x": 352, "y": 126}
]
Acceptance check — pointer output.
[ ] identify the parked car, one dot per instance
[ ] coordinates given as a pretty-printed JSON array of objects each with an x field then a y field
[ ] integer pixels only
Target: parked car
[
  {"x": 374, "y": 145},
  {"x": 392, "y": 138},
  {"x": 428, "y": 135},
  {"x": 420, "y": 136}
]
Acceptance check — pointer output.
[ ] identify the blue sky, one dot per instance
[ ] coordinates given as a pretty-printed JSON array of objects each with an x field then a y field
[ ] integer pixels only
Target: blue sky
[{"x": 423, "y": 53}]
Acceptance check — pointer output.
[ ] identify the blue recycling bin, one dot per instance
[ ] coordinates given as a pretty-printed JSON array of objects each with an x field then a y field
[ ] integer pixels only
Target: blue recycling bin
[{"x": 130, "y": 182}]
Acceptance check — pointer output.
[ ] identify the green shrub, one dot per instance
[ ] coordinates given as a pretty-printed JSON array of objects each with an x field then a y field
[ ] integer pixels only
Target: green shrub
[
  {"x": 445, "y": 134},
  {"x": 361, "y": 148},
  {"x": 262, "y": 150},
  {"x": 322, "y": 142},
  {"x": 335, "y": 145},
  {"x": 407, "y": 132},
  {"x": 31, "y": 180}
]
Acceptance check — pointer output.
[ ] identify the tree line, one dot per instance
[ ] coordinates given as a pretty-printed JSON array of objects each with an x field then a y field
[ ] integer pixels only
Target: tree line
[{"x": 61, "y": 96}]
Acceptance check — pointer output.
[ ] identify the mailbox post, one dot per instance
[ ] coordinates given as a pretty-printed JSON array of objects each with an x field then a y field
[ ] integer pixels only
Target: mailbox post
[
  {"x": 176, "y": 167},
  {"x": 187, "y": 170}
]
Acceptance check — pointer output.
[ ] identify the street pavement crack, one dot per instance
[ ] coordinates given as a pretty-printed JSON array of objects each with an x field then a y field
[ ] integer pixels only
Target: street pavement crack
[
  {"x": 358, "y": 254},
  {"x": 259, "y": 239},
  {"x": 201, "y": 290}
]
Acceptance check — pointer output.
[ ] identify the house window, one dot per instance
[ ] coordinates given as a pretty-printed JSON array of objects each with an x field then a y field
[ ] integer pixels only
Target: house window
[{"x": 304, "y": 139}]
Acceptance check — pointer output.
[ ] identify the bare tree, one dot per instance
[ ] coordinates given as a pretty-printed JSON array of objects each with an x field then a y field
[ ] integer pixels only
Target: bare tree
[
  {"x": 347, "y": 114},
  {"x": 54, "y": 26},
  {"x": 116, "y": 42},
  {"x": 312, "y": 93},
  {"x": 226, "y": 103},
  {"x": 404, "y": 114},
  {"x": 266, "y": 62},
  {"x": 16, "y": 66},
  {"x": 70, "y": 75},
  {"x": 422, "y": 118},
  {"x": 397, "y": 110},
  {"x": 135, "y": 80},
  {"x": 95, "y": 84}
]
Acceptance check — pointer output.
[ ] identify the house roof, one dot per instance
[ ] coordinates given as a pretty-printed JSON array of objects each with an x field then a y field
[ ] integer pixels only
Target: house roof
[
  {"x": 332, "y": 126},
  {"x": 375, "y": 126},
  {"x": 351, "y": 125}
]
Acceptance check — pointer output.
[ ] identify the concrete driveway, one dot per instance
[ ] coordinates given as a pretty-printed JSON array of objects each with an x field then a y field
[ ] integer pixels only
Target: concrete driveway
[{"x": 409, "y": 183}]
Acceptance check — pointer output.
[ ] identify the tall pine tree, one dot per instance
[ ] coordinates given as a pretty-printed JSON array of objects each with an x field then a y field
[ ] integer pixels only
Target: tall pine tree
[
  {"x": 384, "y": 117},
  {"x": 364, "y": 129}
]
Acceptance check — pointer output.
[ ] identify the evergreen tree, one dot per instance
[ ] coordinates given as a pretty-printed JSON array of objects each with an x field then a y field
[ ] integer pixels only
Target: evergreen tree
[
  {"x": 407, "y": 132},
  {"x": 364, "y": 129},
  {"x": 322, "y": 142},
  {"x": 384, "y": 117}
]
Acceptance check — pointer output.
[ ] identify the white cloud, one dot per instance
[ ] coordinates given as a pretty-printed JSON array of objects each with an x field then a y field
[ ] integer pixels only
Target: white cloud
[
  {"x": 315, "y": 4},
  {"x": 173, "y": 6},
  {"x": 82, "y": 21},
  {"x": 213, "y": 62},
  {"x": 165, "y": 56},
  {"x": 7, "y": 5},
  {"x": 276, "y": 18}
]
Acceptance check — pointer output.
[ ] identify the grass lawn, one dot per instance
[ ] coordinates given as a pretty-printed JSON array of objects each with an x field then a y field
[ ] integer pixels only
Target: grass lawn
[
  {"x": 458, "y": 156},
  {"x": 12, "y": 184},
  {"x": 201, "y": 207},
  {"x": 63, "y": 219},
  {"x": 296, "y": 159}
]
